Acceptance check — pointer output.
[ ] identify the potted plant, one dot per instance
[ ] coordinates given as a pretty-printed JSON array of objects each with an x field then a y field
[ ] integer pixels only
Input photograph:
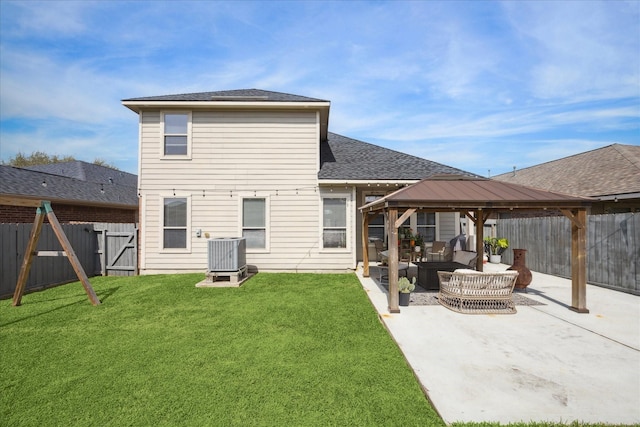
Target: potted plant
[
  {"x": 405, "y": 287},
  {"x": 495, "y": 246},
  {"x": 419, "y": 242}
]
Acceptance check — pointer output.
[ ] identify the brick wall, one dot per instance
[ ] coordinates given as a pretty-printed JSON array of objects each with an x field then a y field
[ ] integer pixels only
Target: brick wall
[{"x": 69, "y": 213}]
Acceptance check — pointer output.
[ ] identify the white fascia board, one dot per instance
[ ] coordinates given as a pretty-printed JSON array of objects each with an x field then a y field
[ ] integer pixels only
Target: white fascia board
[{"x": 138, "y": 105}]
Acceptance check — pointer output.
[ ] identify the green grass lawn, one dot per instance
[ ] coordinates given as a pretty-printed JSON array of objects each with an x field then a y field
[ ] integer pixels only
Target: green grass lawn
[{"x": 284, "y": 349}]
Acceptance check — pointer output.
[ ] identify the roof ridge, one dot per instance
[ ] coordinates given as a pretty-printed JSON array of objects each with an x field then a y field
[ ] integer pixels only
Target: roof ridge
[
  {"x": 228, "y": 95},
  {"x": 622, "y": 150}
]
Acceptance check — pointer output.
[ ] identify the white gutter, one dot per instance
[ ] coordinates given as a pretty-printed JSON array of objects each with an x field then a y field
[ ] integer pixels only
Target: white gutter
[{"x": 615, "y": 197}]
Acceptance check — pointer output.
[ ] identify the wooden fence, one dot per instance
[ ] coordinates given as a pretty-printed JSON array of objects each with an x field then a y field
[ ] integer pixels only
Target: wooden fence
[
  {"x": 88, "y": 242},
  {"x": 613, "y": 247}
]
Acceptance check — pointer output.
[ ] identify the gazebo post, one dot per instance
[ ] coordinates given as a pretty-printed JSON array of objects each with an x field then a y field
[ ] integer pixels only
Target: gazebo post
[
  {"x": 480, "y": 220},
  {"x": 578, "y": 259},
  {"x": 394, "y": 298},
  {"x": 365, "y": 244}
]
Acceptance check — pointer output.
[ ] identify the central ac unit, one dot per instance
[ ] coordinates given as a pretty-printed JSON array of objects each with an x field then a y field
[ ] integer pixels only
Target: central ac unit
[{"x": 227, "y": 254}]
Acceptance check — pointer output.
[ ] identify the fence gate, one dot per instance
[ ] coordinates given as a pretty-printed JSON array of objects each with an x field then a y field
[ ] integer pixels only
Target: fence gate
[{"x": 117, "y": 249}]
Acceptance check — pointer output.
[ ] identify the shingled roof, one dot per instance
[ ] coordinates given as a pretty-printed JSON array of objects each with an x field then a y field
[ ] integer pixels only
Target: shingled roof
[
  {"x": 347, "y": 159},
  {"x": 25, "y": 183},
  {"x": 89, "y": 172},
  {"x": 231, "y": 95},
  {"x": 613, "y": 170}
]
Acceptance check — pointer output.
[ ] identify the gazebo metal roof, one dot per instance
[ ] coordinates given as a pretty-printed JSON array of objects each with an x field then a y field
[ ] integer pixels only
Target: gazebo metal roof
[
  {"x": 478, "y": 198},
  {"x": 461, "y": 192}
]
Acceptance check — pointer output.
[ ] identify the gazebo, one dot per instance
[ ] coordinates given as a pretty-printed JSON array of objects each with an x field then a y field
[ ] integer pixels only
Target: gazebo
[{"x": 477, "y": 199}]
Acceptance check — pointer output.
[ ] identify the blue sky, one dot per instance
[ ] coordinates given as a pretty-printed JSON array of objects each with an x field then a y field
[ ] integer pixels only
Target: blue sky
[{"x": 475, "y": 85}]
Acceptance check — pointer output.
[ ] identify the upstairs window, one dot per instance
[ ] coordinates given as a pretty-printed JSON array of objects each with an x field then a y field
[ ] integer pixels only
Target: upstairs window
[
  {"x": 254, "y": 223},
  {"x": 176, "y": 134}
]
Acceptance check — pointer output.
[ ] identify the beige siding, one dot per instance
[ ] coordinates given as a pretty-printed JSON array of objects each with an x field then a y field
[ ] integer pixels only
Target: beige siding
[{"x": 239, "y": 154}]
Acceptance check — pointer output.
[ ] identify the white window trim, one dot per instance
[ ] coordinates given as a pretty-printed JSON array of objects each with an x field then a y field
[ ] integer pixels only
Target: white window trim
[
  {"x": 414, "y": 226},
  {"x": 366, "y": 194},
  {"x": 161, "y": 239},
  {"x": 187, "y": 156},
  {"x": 349, "y": 225},
  {"x": 267, "y": 223}
]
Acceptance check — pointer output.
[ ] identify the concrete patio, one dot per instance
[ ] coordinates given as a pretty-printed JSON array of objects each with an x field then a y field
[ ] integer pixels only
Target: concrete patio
[{"x": 545, "y": 363}]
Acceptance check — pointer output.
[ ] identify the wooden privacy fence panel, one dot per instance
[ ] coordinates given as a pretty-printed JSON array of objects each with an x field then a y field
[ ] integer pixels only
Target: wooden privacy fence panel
[
  {"x": 45, "y": 270},
  {"x": 86, "y": 241},
  {"x": 613, "y": 247}
]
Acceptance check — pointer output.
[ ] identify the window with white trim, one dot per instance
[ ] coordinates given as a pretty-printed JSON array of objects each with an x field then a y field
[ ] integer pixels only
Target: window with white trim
[
  {"x": 254, "y": 222},
  {"x": 377, "y": 223},
  {"x": 334, "y": 222},
  {"x": 426, "y": 225},
  {"x": 174, "y": 234},
  {"x": 176, "y": 134}
]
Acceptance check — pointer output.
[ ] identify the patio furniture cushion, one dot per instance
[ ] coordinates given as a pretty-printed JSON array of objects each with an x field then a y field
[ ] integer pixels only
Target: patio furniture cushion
[{"x": 465, "y": 257}]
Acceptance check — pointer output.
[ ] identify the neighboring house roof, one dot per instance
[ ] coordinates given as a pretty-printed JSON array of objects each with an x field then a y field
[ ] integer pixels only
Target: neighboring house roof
[
  {"x": 231, "y": 95},
  {"x": 25, "y": 183},
  {"x": 613, "y": 170},
  {"x": 89, "y": 172},
  {"x": 343, "y": 158}
]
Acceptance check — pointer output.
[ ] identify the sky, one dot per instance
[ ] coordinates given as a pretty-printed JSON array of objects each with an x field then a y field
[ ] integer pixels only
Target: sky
[{"x": 481, "y": 86}]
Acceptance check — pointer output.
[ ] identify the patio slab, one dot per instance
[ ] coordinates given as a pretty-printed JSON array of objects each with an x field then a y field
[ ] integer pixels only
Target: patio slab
[{"x": 545, "y": 363}]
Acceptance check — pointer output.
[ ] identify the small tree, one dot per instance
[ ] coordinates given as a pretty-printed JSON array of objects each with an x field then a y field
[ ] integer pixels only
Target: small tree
[{"x": 42, "y": 158}]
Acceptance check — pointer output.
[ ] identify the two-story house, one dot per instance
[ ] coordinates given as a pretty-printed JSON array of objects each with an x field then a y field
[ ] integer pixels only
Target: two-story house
[{"x": 263, "y": 165}]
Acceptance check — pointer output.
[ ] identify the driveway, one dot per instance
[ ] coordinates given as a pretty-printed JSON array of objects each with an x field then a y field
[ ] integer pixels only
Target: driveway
[{"x": 545, "y": 363}]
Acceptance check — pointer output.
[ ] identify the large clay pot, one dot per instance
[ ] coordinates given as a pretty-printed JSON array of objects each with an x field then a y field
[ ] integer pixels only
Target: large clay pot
[{"x": 524, "y": 274}]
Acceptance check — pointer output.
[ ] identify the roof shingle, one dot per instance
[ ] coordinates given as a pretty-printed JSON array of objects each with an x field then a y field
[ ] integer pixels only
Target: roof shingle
[
  {"x": 606, "y": 171},
  {"x": 29, "y": 183},
  {"x": 343, "y": 158}
]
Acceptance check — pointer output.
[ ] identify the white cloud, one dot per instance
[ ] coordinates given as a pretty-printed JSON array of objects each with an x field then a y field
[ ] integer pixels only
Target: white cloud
[
  {"x": 42, "y": 17},
  {"x": 580, "y": 50}
]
